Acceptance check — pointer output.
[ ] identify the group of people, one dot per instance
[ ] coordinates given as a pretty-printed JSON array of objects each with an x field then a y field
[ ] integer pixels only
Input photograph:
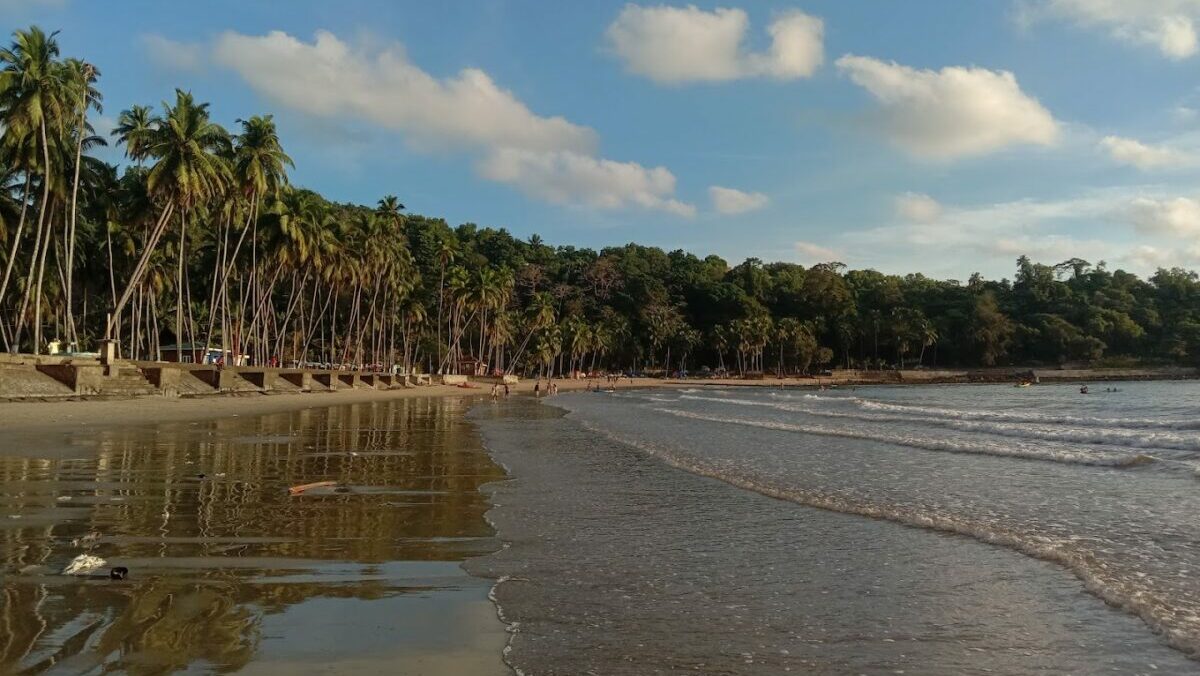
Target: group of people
[
  {"x": 551, "y": 388},
  {"x": 499, "y": 390}
]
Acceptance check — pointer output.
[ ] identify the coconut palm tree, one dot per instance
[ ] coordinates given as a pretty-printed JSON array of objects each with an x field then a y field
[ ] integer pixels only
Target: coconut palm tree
[
  {"x": 83, "y": 76},
  {"x": 390, "y": 207},
  {"x": 188, "y": 168},
  {"x": 133, "y": 130},
  {"x": 34, "y": 101}
]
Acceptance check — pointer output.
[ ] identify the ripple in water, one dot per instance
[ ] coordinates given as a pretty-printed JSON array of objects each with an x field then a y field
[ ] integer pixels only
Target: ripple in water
[{"x": 954, "y": 459}]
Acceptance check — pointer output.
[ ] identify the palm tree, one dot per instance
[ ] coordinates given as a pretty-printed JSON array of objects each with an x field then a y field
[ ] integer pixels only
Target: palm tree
[
  {"x": 33, "y": 99},
  {"x": 447, "y": 252},
  {"x": 188, "y": 169},
  {"x": 83, "y": 76},
  {"x": 133, "y": 130},
  {"x": 391, "y": 207}
]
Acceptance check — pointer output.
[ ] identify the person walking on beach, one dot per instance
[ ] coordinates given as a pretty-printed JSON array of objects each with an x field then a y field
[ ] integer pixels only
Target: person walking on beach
[
  {"x": 537, "y": 389},
  {"x": 506, "y": 390}
]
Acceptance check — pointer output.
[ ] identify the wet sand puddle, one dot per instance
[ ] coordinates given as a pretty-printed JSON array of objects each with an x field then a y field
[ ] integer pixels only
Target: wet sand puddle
[{"x": 227, "y": 571}]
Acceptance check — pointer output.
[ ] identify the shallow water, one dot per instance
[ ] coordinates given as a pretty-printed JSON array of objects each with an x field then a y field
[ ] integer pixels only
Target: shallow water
[
  {"x": 646, "y": 537},
  {"x": 227, "y": 572}
]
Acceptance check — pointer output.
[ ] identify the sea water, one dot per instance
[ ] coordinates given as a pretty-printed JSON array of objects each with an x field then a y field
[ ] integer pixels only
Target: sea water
[{"x": 940, "y": 529}]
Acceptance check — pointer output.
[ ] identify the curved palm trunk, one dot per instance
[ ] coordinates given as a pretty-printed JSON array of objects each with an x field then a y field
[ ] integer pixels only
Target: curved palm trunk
[
  {"x": 179, "y": 288},
  {"x": 70, "y": 243},
  {"x": 39, "y": 246},
  {"x": 12, "y": 255},
  {"x": 140, "y": 269}
]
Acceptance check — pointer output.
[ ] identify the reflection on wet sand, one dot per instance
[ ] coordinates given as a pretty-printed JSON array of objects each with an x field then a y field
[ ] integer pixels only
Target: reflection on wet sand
[{"x": 226, "y": 568}]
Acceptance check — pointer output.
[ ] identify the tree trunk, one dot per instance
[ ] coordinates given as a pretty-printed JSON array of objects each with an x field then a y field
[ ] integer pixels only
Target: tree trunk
[
  {"x": 140, "y": 270},
  {"x": 12, "y": 254},
  {"x": 38, "y": 246}
]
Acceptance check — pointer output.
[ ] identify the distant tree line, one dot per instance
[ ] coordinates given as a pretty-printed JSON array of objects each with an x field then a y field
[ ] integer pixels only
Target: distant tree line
[{"x": 199, "y": 238}]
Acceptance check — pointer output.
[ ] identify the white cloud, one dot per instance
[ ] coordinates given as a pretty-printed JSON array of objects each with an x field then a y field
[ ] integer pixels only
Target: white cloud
[
  {"x": 673, "y": 45},
  {"x": 1148, "y": 257},
  {"x": 918, "y": 208},
  {"x": 988, "y": 237},
  {"x": 1143, "y": 156},
  {"x": 547, "y": 157},
  {"x": 733, "y": 201},
  {"x": 169, "y": 54},
  {"x": 814, "y": 253},
  {"x": 1047, "y": 248},
  {"x": 566, "y": 177},
  {"x": 328, "y": 78},
  {"x": 1179, "y": 216},
  {"x": 1167, "y": 25},
  {"x": 1183, "y": 114},
  {"x": 951, "y": 113}
]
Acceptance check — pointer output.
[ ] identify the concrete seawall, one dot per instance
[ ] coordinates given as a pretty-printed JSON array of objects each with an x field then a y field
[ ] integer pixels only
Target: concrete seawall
[{"x": 26, "y": 377}]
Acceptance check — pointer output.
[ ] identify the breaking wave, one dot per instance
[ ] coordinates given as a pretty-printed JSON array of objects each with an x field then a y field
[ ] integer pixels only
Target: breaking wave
[
  {"x": 1023, "y": 451},
  {"x": 1044, "y": 429}
]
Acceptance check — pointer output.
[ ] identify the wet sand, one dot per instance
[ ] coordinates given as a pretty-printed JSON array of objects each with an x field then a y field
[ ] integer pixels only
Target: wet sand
[
  {"x": 43, "y": 429},
  {"x": 227, "y": 571}
]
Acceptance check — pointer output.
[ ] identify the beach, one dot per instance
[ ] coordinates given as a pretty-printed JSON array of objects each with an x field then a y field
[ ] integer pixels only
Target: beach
[
  {"x": 42, "y": 426},
  {"x": 710, "y": 529},
  {"x": 228, "y": 570}
]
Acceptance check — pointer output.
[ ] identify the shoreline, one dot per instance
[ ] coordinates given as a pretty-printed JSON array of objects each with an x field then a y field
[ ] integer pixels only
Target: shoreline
[
  {"x": 63, "y": 417},
  {"x": 26, "y": 420}
]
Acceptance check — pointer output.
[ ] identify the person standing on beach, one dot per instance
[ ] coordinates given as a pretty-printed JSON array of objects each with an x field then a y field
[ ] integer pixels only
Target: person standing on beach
[
  {"x": 506, "y": 390},
  {"x": 537, "y": 389}
]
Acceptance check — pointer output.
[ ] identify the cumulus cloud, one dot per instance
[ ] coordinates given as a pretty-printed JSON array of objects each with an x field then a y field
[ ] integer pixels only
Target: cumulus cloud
[
  {"x": 733, "y": 201},
  {"x": 328, "y": 77},
  {"x": 547, "y": 157},
  {"x": 1148, "y": 257},
  {"x": 1179, "y": 216},
  {"x": 173, "y": 55},
  {"x": 1167, "y": 25},
  {"x": 1143, "y": 156},
  {"x": 814, "y": 253},
  {"x": 952, "y": 113},
  {"x": 918, "y": 208},
  {"x": 567, "y": 177},
  {"x": 673, "y": 45}
]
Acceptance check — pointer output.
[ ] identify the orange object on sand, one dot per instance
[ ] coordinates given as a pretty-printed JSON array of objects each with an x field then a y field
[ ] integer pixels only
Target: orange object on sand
[{"x": 297, "y": 490}]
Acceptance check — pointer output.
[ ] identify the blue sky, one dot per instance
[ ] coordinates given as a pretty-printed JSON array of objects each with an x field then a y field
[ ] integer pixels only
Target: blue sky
[{"x": 945, "y": 137}]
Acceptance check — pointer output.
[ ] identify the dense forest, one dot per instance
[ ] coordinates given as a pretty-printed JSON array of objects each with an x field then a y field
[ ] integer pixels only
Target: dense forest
[{"x": 198, "y": 238}]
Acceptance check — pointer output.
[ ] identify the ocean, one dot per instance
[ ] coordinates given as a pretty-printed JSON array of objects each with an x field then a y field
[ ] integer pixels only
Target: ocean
[{"x": 936, "y": 529}]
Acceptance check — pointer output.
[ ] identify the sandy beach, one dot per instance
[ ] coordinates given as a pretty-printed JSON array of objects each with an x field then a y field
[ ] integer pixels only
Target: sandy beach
[{"x": 36, "y": 423}]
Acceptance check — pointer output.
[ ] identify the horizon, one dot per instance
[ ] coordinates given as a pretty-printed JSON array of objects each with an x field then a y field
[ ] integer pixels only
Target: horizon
[{"x": 823, "y": 143}]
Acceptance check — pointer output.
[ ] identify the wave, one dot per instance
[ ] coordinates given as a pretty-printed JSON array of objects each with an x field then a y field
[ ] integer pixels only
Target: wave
[
  {"x": 1095, "y": 458},
  {"x": 1046, "y": 431},
  {"x": 1025, "y": 417},
  {"x": 1130, "y": 592}
]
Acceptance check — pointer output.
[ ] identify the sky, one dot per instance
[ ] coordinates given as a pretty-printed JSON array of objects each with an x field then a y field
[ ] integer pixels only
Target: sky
[{"x": 934, "y": 136}]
